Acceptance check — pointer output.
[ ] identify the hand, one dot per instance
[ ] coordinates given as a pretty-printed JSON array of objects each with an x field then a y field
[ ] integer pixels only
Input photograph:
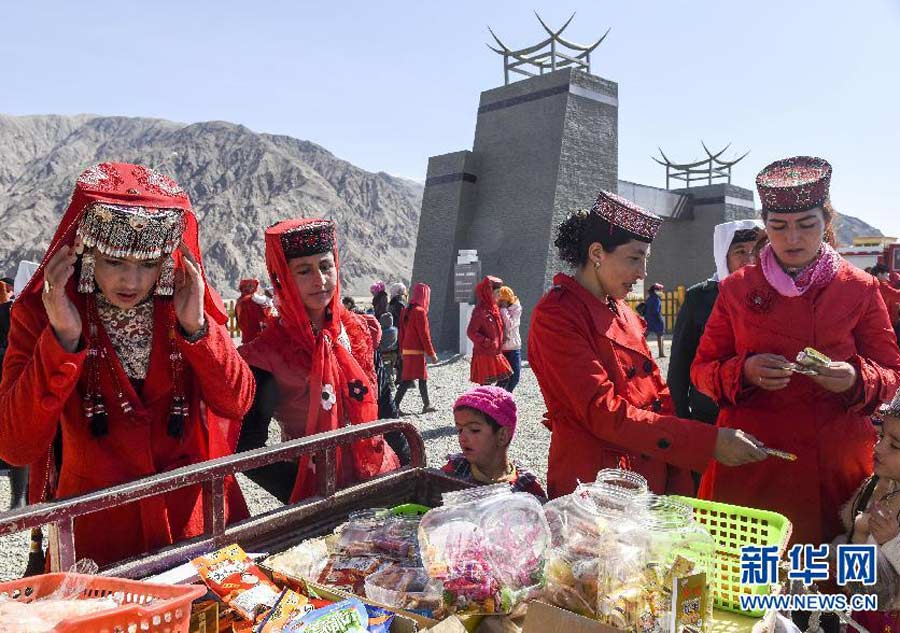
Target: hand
[
  {"x": 61, "y": 312},
  {"x": 189, "y": 293},
  {"x": 836, "y": 377},
  {"x": 734, "y": 448},
  {"x": 767, "y": 371},
  {"x": 434, "y": 359},
  {"x": 883, "y": 525}
]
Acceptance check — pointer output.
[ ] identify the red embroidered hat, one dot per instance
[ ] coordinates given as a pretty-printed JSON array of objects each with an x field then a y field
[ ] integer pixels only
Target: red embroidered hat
[
  {"x": 626, "y": 215},
  {"x": 794, "y": 184},
  {"x": 310, "y": 238}
]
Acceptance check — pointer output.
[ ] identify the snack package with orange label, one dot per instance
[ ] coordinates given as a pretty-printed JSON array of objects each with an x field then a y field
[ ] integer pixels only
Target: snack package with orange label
[{"x": 238, "y": 582}]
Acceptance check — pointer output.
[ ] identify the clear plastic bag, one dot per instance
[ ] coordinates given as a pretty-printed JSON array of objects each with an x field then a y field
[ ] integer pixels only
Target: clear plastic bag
[
  {"x": 379, "y": 533},
  {"x": 408, "y": 588},
  {"x": 486, "y": 545}
]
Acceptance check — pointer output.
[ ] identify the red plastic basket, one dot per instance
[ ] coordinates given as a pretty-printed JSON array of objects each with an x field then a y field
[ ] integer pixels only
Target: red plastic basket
[{"x": 146, "y": 607}]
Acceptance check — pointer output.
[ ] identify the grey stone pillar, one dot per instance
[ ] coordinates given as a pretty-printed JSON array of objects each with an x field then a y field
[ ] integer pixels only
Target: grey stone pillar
[{"x": 543, "y": 147}]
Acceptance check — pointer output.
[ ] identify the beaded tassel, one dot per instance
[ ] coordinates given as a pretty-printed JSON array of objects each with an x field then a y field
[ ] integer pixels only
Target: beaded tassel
[
  {"x": 179, "y": 411},
  {"x": 165, "y": 287},
  {"x": 86, "y": 278}
]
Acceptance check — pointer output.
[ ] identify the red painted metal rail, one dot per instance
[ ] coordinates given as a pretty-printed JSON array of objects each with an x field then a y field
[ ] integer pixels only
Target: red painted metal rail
[{"x": 267, "y": 528}]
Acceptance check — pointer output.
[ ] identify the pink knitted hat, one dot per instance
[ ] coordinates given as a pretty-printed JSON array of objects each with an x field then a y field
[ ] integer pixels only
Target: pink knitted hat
[{"x": 495, "y": 402}]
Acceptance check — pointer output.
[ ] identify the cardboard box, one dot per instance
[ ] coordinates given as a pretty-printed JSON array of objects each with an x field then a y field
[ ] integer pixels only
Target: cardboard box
[{"x": 545, "y": 618}]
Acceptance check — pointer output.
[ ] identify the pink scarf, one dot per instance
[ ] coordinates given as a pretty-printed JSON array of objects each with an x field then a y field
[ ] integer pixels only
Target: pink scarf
[{"x": 816, "y": 274}]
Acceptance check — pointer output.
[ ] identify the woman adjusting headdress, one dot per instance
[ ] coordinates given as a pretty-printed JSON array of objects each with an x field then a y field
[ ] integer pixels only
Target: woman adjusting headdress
[{"x": 118, "y": 344}]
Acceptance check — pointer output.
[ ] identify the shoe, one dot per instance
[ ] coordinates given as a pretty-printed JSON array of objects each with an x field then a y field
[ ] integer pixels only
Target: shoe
[{"x": 428, "y": 410}]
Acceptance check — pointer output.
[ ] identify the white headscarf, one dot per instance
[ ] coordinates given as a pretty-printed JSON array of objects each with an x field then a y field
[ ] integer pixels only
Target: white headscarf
[
  {"x": 722, "y": 236},
  {"x": 23, "y": 275}
]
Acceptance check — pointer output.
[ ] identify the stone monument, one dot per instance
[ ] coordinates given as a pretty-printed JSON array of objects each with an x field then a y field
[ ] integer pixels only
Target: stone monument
[{"x": 543, "y": 146}]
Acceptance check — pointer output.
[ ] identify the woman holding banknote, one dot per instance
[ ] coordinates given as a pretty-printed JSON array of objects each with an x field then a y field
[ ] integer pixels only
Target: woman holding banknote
[{"x": 801, "y": 295}]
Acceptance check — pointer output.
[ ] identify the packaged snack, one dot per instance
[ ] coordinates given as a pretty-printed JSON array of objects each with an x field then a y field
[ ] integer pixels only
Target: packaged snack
[
  {"x": 289, "y": 605},
  {"x": 303, "y": 561},
  {"x": 486, "y": 546},
  {"x": 407, "y": 588},
  {"x": 379, "y": 533},
  {"x": 347, "y": 616},
  {"x": 238, "y": 582},
  {"x": 597, "y": 520},
  {"x": 379, "y": 619},
  {"x": 349, "y": 572}
]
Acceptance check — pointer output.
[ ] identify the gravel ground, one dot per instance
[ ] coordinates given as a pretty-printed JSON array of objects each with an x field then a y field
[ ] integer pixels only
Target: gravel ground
[{"x": 447, "y": 380}]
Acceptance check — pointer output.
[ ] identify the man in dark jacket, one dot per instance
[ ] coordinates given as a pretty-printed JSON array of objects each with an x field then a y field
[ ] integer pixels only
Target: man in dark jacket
[{"x": 733, "y": 244}]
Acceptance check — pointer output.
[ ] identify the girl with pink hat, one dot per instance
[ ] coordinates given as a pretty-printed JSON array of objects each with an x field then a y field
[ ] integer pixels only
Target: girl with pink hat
[{"x": 485, "y": 419}]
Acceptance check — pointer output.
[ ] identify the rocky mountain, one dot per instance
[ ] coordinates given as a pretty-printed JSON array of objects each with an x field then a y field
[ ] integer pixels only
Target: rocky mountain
[
  {"x": 239, "y": 181},
  {"x": 848, "y": 227}
]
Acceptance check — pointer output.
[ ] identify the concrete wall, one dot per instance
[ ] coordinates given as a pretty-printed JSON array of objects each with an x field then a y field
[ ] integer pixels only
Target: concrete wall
[
  {"x": 682, "y": 253},
  {"x": 448, "y": 203}
]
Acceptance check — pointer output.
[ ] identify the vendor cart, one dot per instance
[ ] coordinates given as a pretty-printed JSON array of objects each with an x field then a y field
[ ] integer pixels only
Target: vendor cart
[{"x": 272, "y": 531}]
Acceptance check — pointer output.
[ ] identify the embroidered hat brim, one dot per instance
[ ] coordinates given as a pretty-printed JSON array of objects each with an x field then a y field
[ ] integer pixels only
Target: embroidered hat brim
[
  {"x": 312, "y": 238},
  {"x": 793, "y": 185},
  {"x": 627, "y": 215}
]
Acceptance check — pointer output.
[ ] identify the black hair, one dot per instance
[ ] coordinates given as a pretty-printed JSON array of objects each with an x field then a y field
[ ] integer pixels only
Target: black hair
[
  {"x": 879, "y": 269},
  {"x": 582, "y": 228},
  {"x": 495, "y": 426}
]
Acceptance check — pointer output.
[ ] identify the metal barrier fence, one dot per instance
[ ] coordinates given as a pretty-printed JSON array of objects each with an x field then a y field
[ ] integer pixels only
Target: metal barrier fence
[{"x": 671, "y": 303}]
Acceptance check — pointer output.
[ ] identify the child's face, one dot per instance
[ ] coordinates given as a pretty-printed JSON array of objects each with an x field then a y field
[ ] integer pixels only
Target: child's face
[
  {"x": 887, "y": 450},
  {"x": 480, "y": 444}
]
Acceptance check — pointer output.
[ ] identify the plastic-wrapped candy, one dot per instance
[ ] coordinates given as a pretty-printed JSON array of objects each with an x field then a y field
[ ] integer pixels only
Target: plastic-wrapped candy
[
  {"x": 378, "y": 533},
  {"x": 486, "y": 545},
  {"x": 637, "y": 574},
  {"x": 597, "y": 520}
]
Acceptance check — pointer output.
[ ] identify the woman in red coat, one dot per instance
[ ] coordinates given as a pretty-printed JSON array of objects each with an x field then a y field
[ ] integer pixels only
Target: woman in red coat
[
  {"x": 801, "y": 294},
  {"x": 415, "y": 345},
  {"x": 315, "y": 365},
  {"x": 118, "y": 348},
  {"x": 250, "y": 310},
  {"x": 607, "y": 404},
  {"x": 485, "y": 330}
]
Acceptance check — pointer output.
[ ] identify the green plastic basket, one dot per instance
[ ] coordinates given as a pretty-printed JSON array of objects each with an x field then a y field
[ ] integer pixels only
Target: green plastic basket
[
  {"x": 409, "y": 510},
  {"x": 733, "y": 527}
]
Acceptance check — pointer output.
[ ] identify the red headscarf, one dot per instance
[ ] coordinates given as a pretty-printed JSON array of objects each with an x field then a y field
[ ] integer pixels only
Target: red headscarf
[
  {"x": 484, "y": 293},
  {"x": 421, "y": 296},
  {"x": 340, "y": 390},
  {"x": 134, "y": 186},
  {"x": 248, "y": 286}
]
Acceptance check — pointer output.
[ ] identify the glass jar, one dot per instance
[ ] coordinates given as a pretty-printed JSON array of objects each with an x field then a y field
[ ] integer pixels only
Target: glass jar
[
  {"x": 636, "y": 593},
  {"x": 487, "y": 546},
  {"x": 594, "y": 523}
]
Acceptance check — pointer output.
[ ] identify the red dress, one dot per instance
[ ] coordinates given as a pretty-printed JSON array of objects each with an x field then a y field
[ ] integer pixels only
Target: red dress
[
  {"x": 326, "y": 380},
  {"x": 251, "y": 318},
  {"x": 416, "y": 343},
  {"x": 891, "y": 298},
  {"x": 485, "y": 330},
  {"x": 831, "y": 434},
  {"x": 43, "y": 386},
  {"x": 607, "y": 404}
]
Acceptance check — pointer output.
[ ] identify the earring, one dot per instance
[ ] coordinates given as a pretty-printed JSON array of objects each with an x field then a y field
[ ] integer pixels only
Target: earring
[
  {"x": 596, "y": 263},
  {"x": 86, "y": 279},
  {"x": 165, "y": 285}
]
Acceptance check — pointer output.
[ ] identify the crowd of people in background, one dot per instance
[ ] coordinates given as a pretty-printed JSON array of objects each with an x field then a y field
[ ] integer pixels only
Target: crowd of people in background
[{"x": 118, "y": 365}]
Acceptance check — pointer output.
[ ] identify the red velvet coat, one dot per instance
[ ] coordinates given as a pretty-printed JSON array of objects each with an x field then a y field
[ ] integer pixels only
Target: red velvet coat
[
  {"x": 831, "y": 434},
  {"x": 415, "y": 343},
  {"x": 251, "y": 318},
  {"x": 607, "y": 404},
  {"x": 41, "y": 392}
]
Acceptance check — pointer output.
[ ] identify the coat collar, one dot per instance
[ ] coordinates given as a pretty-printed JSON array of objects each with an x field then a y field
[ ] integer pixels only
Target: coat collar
[{"x": 624, "y": 329}]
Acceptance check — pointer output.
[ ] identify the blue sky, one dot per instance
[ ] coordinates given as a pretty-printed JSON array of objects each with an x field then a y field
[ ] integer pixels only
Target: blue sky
[{"x": 387, "y": 84}]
